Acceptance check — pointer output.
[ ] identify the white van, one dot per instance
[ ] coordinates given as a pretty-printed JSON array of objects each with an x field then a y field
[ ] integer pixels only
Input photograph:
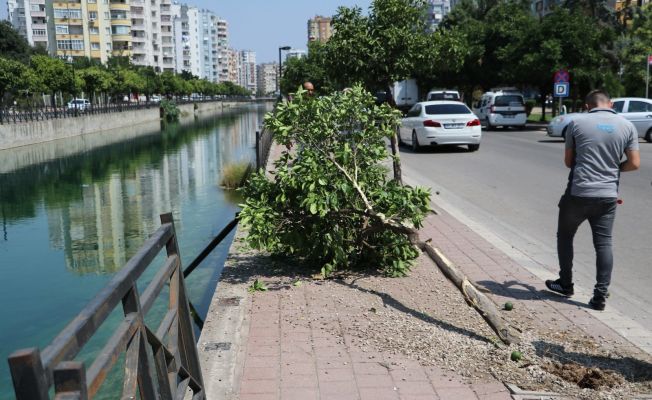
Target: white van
[
  {"x": 406, "y": 93},
  {"x": 501, "y": 107},
  {"x": 450, "y": 95}
]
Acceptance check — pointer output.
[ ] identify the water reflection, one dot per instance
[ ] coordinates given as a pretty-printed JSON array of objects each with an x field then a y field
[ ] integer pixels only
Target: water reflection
[{"x": 101, "y": 204}]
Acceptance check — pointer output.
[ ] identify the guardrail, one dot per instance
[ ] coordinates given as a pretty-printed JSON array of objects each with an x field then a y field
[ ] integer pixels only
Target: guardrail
[
  {"x": 10, "y": 115},
  {"x": 162, "y": 371},
  {"x": 264, "y": 141}
]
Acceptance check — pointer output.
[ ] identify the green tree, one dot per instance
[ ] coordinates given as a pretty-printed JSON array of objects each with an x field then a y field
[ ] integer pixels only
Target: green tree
[
  {"x": 12, "y": 77},
  {"x": 311, "y": 68},
  {"x": 330, "y": 203},
  {"x": 96, "y": 80},
  {"x": 12, "y": 45},
  {"x": 634, "y": 56},
  {"x": 55, "y": 75}
]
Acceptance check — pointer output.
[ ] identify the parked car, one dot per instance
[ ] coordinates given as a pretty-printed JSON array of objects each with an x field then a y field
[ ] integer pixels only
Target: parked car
[
  {"x": 559, "y": 125},
  {"x": 78, "y": 104},
  {"x": 155, "y": 99},
  {"x": 434, "y": 123},
  {"x": 452, "y": 95},
  {"x": 639, "y": 112},
  {"x": 501, "y": 107}
]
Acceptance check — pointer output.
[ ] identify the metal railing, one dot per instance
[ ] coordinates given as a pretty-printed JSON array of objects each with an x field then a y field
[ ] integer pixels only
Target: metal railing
[
  {"x": 264, "y": 141},
  {"x": 162, "y": 371},
  {"x": 12, "y": 114}
]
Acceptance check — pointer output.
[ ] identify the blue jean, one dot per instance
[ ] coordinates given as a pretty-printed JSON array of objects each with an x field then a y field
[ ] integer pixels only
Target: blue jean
[{"x": 600, "y": 212}]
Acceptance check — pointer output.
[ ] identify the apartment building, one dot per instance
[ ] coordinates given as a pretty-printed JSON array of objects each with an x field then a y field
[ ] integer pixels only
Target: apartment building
[
  {"x": 295, "y": 53},
  {"x": 319, "y": 29},
  {"x": 233, "y": 65},
  {"x": 187, "y": 40},
  {"x": 437, "y": 10},
  {"x": 247, "y": 71},
  {"x": 223, "y": 47},
  {"x": 266, "y": 79}
]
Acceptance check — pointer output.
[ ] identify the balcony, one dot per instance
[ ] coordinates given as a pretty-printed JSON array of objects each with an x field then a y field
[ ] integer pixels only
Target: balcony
[
  {"x": 118, "y": 37},
  {"x": 121, "y": 53}
]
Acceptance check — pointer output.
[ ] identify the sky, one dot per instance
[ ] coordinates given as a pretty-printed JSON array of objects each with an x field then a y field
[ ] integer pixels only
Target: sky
[{"x": 265, "y": 25}]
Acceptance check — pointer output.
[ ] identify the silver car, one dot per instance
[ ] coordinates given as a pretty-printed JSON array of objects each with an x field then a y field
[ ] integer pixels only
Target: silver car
[
  {"x": 639, "y": 112},
  {"x": 558, "y": 126}
]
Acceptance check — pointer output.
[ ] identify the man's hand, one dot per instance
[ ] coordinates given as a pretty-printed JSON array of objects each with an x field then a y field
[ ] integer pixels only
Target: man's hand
[
  {"x": 569, "y": 155},
  {"x": 633, "y": 161}
]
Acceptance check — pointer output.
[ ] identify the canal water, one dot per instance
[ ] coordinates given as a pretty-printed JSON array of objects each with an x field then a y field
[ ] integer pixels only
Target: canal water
[{"x": 70, "y": 220}]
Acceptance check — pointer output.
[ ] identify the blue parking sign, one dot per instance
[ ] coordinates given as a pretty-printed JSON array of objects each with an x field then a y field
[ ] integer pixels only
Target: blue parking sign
[{"x": 561, "y": 89}]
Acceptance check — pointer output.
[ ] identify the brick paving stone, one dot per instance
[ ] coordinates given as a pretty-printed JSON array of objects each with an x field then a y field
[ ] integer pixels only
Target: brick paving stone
[
  {"x": 300, "y": 381},
  {"x": 374, "y": 381},
  {"x": 259, "y": 386},
  {"x": 414, "y": 387},
  {"x": 258, "y": 396},
  {"x": 369, "y": 368},
  {"x": 335, "y": 374},
  {"x": 300, "y": 394},
  {"x": 456, "y": 393},
  {"x": 348, "y": 388},
  {"x": 378, "y": 394}
]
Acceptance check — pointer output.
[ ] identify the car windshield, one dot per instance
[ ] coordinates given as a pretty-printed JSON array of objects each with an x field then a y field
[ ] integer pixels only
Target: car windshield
[
  {"x": 508, "y": 100},
  {"x": 436, "y": 109},
  {"x": 444, "y": 96}
]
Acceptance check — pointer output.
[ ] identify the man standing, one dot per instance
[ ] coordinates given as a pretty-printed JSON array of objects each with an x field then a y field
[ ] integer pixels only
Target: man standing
[{"x": 595, "y": 145}]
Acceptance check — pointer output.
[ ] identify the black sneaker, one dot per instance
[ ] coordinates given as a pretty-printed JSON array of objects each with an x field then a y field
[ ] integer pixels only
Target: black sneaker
[
  {"x": 597, "y": 303},
  {"x": 555, "y": 286}
]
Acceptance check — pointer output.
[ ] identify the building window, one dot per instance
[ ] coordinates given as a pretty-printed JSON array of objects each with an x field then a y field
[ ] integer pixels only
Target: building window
[
  {"x": 107, "y": 16},
  {"x": 118, "y": 15},
  {"x": 94, "y": 30},
  {"x": 92, "y": 15},
  {"x": 95, "y": 46},
  {"x": 35, "y": 7},
  {"x": 70, "y": 44},
  {"x": 92, "y": 1},
  {"x": 120, "y": 30},
  {"x": 39, "y": 32},
  {"x": 62, "y": 29},
  {"x": 63, "y": 13}
]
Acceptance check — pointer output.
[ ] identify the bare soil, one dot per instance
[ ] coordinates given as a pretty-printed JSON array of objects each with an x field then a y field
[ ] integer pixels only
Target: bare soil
[{"x": 425, "y": 318}]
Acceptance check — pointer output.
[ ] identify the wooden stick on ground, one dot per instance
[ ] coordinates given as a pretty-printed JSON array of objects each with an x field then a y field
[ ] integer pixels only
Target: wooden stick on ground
[{"x": 483, "y": 305}]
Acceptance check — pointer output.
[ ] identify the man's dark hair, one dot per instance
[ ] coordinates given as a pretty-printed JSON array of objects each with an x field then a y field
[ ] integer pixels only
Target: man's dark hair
[{"x": 596, "y": 97}]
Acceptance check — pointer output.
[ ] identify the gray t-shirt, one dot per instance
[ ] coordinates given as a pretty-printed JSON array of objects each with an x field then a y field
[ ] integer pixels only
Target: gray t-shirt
[{"x": 600, "y": 139}]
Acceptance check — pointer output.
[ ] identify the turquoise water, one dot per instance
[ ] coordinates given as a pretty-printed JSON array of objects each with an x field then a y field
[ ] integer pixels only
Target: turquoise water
[{"x": 67, "y": 224}]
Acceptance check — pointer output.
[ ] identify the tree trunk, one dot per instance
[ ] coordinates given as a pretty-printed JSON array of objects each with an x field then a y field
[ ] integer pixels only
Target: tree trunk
[
  {"x": 396, "y": 158},
  {"x": 482, "y": 304},
  {"x": 543, "y": 106}
]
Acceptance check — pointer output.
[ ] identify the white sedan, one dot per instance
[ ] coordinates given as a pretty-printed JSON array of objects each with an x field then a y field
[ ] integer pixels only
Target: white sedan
[{"x": 434, "y": 123}]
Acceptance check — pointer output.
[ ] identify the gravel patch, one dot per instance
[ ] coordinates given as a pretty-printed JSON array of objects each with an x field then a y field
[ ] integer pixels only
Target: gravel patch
[{"x": 425, "y": 318}]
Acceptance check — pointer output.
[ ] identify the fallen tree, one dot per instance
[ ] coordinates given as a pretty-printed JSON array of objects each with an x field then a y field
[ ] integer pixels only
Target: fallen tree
[{"x": 331, "y": 203}]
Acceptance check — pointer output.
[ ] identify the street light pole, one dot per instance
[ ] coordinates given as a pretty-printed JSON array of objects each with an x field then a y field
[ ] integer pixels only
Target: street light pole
[
  {"x": 647, "y": 76},
  {"x": 280, "y": 70}
]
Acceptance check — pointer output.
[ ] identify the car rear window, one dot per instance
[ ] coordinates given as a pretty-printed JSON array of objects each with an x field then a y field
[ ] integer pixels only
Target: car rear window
[
  {"x": 444, "y": 96},
  {"x": 436, "y": 109},
  {"x": 509, "y": 100}
]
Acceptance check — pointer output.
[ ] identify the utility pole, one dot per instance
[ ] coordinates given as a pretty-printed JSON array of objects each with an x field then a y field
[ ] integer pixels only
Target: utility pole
[{"x": 647, "y": 76}]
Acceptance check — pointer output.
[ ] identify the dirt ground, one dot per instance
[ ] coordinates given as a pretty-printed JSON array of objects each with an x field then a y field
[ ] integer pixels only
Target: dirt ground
[{"x": 425, "y": 318}]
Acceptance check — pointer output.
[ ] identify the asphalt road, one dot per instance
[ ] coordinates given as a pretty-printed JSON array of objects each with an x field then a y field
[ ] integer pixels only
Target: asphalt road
[{"x": 512, "y": 186}]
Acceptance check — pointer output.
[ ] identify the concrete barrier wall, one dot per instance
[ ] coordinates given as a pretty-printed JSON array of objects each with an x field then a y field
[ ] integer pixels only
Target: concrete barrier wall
[{"x": 28, "y": 133}]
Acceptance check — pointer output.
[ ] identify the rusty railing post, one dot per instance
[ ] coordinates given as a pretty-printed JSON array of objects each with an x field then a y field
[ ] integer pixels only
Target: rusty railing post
[{"x": 28, "y": 375}]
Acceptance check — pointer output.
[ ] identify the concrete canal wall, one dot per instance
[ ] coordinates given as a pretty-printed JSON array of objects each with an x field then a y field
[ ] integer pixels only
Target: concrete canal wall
[{"x": 29, "y": 133}]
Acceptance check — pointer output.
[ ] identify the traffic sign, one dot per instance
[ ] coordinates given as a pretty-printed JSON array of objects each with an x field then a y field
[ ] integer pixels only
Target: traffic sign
[
  {"x": 649, "y": 60},
  {"x": 562, "y": 76},
  {"x": 561, "y": 89}
]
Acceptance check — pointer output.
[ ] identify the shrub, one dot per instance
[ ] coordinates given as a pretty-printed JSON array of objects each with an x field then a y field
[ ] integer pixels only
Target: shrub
[
  {"x": 331, "y": 203},
  {"x": 529, "y": 105},
  {"x": 170, "y": 110},
  {"x": 234, "y": 175}
]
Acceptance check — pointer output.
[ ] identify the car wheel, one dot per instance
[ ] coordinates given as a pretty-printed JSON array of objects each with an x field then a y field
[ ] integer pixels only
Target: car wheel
[
  {"x": 415, "y": 142},
  {"x": 489, "y": 126},
  {"x": 474, "y": 147},
  {"x": 648, "y": 136}
]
